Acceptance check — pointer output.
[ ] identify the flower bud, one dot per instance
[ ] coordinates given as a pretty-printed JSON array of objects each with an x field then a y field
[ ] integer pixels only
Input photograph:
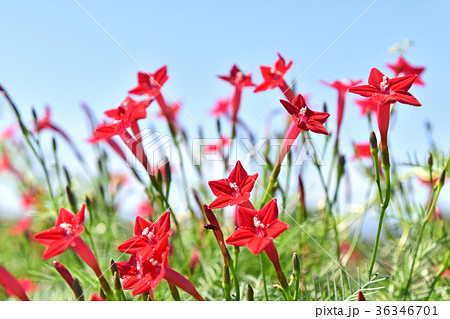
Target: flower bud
[
  {"x": 54, "y": 145},
  {"x": 361, "y": 296},
  {"x": 64, "y": 272},
  {"x": 325, "y": 108},
  {"x": 249, "y": 293},
  {"x": 78, "y": 291},
  {"x": 373, "y": 141},
  {"x": 117, "y": 284},
  {"x": 442, "y": 178},
  {"x": 113, "y": 267},
  {"x": 296, "y": 264},
  {"x": 430, "y": 160}
]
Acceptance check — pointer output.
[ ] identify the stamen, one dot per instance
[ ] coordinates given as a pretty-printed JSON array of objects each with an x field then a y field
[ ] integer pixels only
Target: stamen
[
  {"x": 302, "y": 111},
  {"x": 257, "y": 223},
  {"x": 384, "y": 83}
]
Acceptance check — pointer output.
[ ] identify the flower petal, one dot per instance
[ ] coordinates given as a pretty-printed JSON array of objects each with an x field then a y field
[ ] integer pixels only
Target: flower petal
[
  {"x": 220, "y": 187},
  {"x": 257, "y": 244},
  {"x": 375, "y": 78},
  {"x": 364, "y": 90},
  {"x": 240, "y": 237},
  {"x": 275, "y": 228},
  {"x": 221, "y": 202}
]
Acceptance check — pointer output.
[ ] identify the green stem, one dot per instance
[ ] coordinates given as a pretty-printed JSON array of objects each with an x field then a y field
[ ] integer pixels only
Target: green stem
[
  {"x": 430, "y": 211},
  {"x": 263, "y": 277},
  {"x": 272, "y": 179},
  {"x": 386, "y": 168}
]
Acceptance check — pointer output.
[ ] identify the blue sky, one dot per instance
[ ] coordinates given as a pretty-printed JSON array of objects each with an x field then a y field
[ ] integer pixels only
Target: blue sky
[{"x": 53, "y": 53}]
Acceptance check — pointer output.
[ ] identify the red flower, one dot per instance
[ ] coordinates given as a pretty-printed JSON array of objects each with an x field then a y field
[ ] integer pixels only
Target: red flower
[
  {"x": 5, "y": 163},
  {"x": 143, "y": 275},
  {"x": 27, "y": 285},
  {"x": 384, "y": 92},
  {"x": 344, "y": 251},
  {"x": 367, "y": 106},
  {"x": 305, "y": 118},
  {"x": 148, "y": 236},
  {"x": 96, "y": 297},
  {"x": 8, "y": 133},
  {"x": 362, "y": 150},
  {"x": 145, "y": 209},
  {"x": 237, "y": 78},
  {"x": 65, "y": 233},
  {"x": 402, "y": 68},
  {"x": 150, "y": 84},
  {"x": 11, "y": 284},
  {"x": 232, "y": 190},
  {"x": 194, "y": 260},
  {"x": 222, "y": 107},
  {"x": 30, "y": 198},
  {"x": 67, "y": 229},
  {"x": 123, "y": 117},
  {"x": 273, "y": 76},
  {"x": 21, "y": 227},
  {"x": 170, "y": 112},
  {"x": 216, "y": 147},
  {"x": 342, "y": 91},
  {"x": 257, "y": 229},
  {"x": 44, "y": 121}
]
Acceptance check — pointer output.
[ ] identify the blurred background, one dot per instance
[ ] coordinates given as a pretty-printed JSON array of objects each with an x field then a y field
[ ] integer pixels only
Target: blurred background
[{"x": 63, "y": 53}]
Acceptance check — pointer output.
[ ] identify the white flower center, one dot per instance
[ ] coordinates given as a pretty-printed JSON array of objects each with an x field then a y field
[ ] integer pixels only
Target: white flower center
[
  {"x": 239, "y": 77},
  {"x": 153, "y": 262},
  {"x": 258, "y": 223},
  {"x": 273, "y": 70},
  {"x": 384, "y": 83},
  {"x": 151, "y": 238},
  {"x": 67, "y": 228},
  {"x": 302, "y": 111}
]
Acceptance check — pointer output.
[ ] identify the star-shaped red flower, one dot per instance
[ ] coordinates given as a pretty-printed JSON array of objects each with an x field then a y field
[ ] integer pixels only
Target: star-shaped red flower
[
  {"x": 233, "y": 190},
  {"x": 305, "y": 118},
  {"x": 44, "y": 121},
  {"x": 148, "y": 236},
  {"x": 122, "y": 117},
  {"x": 257, "y": 229},
  {"x": 362, "y": 150},
  {"x": 144, "y": 275},
  {"x": 383, "y": 90},
  {"x": 402, "y": 68},
  {"x": 67, "y": 229},
  {"x": 222, "y": 107},
  {"x": 273, "y": 76},
  {"x": 150, "y": 84},
  {"x": 366, "y": 106},
  {"x": 237, "y": 78}
]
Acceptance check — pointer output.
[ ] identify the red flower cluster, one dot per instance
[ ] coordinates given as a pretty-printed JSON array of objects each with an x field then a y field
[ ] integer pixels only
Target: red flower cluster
[
  {"x": 148, "y": 264},
  {"x": 255, "y": 229}
]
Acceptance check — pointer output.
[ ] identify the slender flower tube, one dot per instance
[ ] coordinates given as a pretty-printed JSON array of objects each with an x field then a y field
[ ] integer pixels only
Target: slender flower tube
[
  {"x": 10, "y": 283},
  {"x": 342, "y": 88},
  {"x": 239, "y": 80},
  {"x": 384, "y": 92},
  {"x": 256, "y": 230},
  {"x": 65, "y": 234},
  {"x": 274, "y": 77},
  {"x": 303, "y": 119}
]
